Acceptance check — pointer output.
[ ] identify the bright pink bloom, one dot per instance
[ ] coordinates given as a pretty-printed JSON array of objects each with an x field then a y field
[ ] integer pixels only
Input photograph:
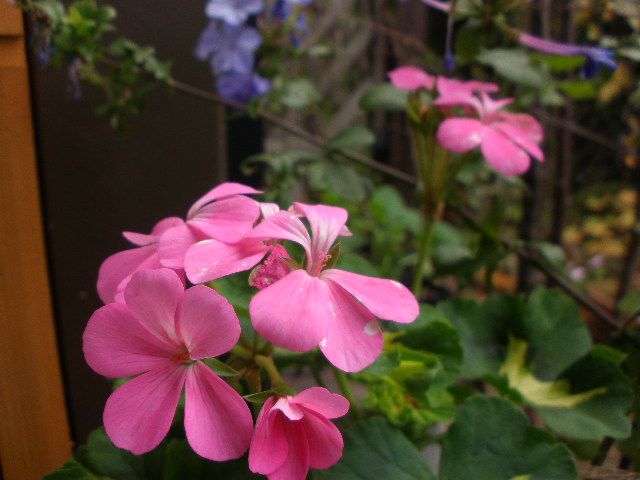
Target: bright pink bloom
[
  {"x": 411, "y": 78},
  {"x": 273, "y": 269},
  {"x": 294, "y": 434},
  {"x": 115, "y": 272},
  {"x": 507, "y": 140},
  {"x": 223, "y": 214},
  {"x": 159, "y": 336},
  {"x": 331, "y": 308}
]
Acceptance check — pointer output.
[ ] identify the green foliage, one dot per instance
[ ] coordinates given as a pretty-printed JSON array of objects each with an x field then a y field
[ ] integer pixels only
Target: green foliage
[
  {"x": 491, "y": 438},
  {"x": 514, "y": 65},
  {"x": 384, "y": 97},
  {"x": 373, "y": 449},
  {"x": 298, "y": 94},
  {"x": 351, "y": 138},
  {"x": 630, "y": 303}
]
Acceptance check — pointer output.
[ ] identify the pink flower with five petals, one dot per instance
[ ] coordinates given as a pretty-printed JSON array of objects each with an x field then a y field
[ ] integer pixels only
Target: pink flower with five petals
[
  {"x": 160, "y": 335},
  {"x": 294, "y": 433},
  {"x": 331, "y": 308}
]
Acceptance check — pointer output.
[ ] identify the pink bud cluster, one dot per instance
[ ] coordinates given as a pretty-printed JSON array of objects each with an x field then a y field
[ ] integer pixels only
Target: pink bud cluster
[
  {"x": 507, "y": 140},
  {"x": 156, "y": 330}
]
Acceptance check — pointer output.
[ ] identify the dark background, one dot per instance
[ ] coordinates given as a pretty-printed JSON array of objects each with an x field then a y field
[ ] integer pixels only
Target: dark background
[{"x": 97, "y": 182}]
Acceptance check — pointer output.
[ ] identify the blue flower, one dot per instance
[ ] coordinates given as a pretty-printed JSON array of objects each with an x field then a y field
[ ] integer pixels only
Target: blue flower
[
  {"x": 242, "y": 87},
  {"x": 283, "y": 9},
  {"x": 233, "y": 12},
  {"x": 228, "y": 48},
  {"x": 596, "y": 58}
]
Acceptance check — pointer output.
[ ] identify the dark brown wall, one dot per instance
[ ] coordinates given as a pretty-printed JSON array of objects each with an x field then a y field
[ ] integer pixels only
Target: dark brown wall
[{"x": 96, "y": 182}]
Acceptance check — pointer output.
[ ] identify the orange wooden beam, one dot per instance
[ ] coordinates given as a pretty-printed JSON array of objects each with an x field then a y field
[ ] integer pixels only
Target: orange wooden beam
[{"x": 34, "y": 430}]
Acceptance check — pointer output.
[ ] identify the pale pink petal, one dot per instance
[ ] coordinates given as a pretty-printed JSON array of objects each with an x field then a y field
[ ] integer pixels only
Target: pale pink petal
[
  {"x": 288, "y": 409},
  {"x": 227, "y": 220},
  {"x": 492, "y": 106},
  {"x": 293, "y": 312},
  {"x": 460, "y": 135},
  {"x": 521, "y": 139},
  {"x": 210, "y": 259},
  {"x": 268, "y": 209},
  {"x": 158, "y": 229},
  {"x": 454, "y": 92},
  {"x": 283, "y": 226},
  {"x": 354, "y": 339},
  {"x": 386, "y": 299},
  {"x": 504, "y": 155},
  {"x": 223, "y": 190},
  {"x": 269, "y": 446},
  {"x": 120, "y": 266},
  {"x": 217, "y": 420},
  {"x": 153, "y": 297},
  {"x": 411, "y": 78},
  {"x": 296, "y": 466},
  {"x": 324, "y": 440},
  {"x": 326, "y": 224},
  {"x": 478, "y": 86},
  {"x": 175, "y": 242},
  {"x": 138, "y": 415},
  {"x": 116, "y": 345},
  {"x": 206, "y": 323},
  {"x": 526, "y": 123},
  {"x": 322, "y": 401}
]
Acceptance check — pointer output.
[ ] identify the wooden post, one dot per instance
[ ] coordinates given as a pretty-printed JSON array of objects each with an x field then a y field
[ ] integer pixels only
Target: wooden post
[{"x": 34, "y": 430}]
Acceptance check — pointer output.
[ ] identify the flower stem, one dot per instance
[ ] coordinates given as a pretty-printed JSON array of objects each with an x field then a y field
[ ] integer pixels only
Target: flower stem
[
  {"x": 345, "y": 388},
  {"x": 277, "y": 383}
]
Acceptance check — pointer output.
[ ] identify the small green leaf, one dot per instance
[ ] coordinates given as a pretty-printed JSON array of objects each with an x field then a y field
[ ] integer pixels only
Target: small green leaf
[
  {"x": 559, "y": 63},
  {"x": 375, "y": 450},
  {"x": 384, "y": 97},
  {"x": 492, "y": 439},
  {"x": 71, "y": 470},
  {"x": 259, "y": 397},
  {"x": 221, "y": 368},
  {"x": 300, "y": 94},
  {"x": 579, "y": 89},
  {"x": 352, "y": 138},
  {"x": 514, "y": 65},
  {"x": 630, "y": 303}
]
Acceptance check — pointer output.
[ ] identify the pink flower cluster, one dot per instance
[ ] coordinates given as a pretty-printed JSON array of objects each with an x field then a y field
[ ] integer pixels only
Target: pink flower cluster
[
  {"x": 159, "y": 332},
  {"x": 507, "y": 140}
]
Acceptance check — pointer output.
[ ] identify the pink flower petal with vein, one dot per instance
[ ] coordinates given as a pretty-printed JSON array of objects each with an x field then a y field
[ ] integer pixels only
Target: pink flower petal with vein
[
  {"x": 324, "y": 440},
  {"x": 206, "y": 323},
  {"x": 210, "y": 259},
  {"x": 411, "y": 78},
  {"x": 504, "y": 155},
  {"x": 296, "y": 465},
  {"x": 115, "y": 272},
  {"x": 521, "y": 138},
  {"x": 174, "y": 244},
  {"x": 283, "y": 226},
  {"x": 322, "y": 401},
  {"x": 159, "y": 228},
  {"x": 386, "y": 299},
  {"x": 138, "y": 415},
  {"x": 293, "y": 312},
  {"x": 223, "y": 190},
  {"x": 354, "y": 339},
  {"x": 217, "y": 420},
  {"x": 269, "y": 446},
  {"x": 227, "y": 220},
  {"x": 460, "y": 135}
]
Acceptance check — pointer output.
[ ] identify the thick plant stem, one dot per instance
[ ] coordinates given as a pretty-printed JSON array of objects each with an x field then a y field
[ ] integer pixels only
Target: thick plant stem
[
  {"x": 423, "y": 256},
  {"x": 272, "y": 371},
  {"x": 345, "y": 388}
]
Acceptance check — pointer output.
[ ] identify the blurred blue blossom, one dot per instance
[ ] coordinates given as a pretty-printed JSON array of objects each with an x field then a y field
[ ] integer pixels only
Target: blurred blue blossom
[
  {"x": 233, "y": 12},
  {"x": 242, "y": 87},
  {"x": 228, "y": 48}
]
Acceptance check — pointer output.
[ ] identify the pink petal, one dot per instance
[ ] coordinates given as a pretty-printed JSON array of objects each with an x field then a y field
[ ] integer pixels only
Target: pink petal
[
  {"x": 354, "y": 339},
  {"x": 460, "y": 135},
  {"x": 386, "y": 299},
  {"x": 504, "y": 155},
  {"x": 521, "y": 139},
  {"x": 411, "y": 78},
  {"x": 223, "y": 190},
  {"x": 324, "y": 440},
  {"x": 326, "y": 224},
  {"x": 283, "y": 226},
  {"x": 268, "y": 209},
  {"x": 217, "y": 420},
  {"x": 206, "y": 323},
  {"x": 293, "y": 312},
  {"x": 492, "y": 106},
  {"x": 116, "y": 345},
  {"x": 322, "y": 401},
  {"x": 120, "y": 266},
  {"x": 138, "y": 415},
  {"x": 153, "y": 297},
  {"x": 175, "y": 242},
  {"x": 228, "y": 220},
  {"x": 288, "y": 409},
  {"x": 526, "y": 123},
  {"x": 275, "y": 267},
  {"x": 158, "y": 229},
  {"x": 296, "y": 465},
  {"x": 269, "y": 446},
  {"x": 210, "y": 259}
]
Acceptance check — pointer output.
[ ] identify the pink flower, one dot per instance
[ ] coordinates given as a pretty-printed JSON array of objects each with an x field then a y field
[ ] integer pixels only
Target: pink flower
[
  {"x": 411, "y": 78},
  {"x": 115, "y": 272},
  {"x": 507, "y": 140},
  {"x": 223, "y": 214},
  {"x": 294, "y": 434},
  {"x": 160, "y": 335},
  {"x": 273, "y": 269},
  {"x": 331, "y": 308}
]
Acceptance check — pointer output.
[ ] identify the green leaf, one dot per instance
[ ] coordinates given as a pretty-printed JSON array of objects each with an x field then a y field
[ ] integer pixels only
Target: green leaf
[
  {"x": 514, "y": 65},
  {"x": 299, "y": 94},
  {"x": 71, "y": 470},
  {"x": 352, "y": 138},
  {"x": 601, "y": 415},
  {"x": 492, "y": 439},
  {"x": 375, "y": 450},
  {"x": 102, "y": 457},
  {"x": 630, "y": 303},
  {"x": 384, "y": 97},
  {"x": 259, "y": 397},
  {"x": 559, "y": 63},
  {"x": 579, "y": 89},
  {"x": 222, "y": 369}
]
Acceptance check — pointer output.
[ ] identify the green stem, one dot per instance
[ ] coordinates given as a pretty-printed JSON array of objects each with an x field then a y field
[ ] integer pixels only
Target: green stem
[
  {"x": 242, "y": 352},
  {"x": 423, "y": 256},
  {"x": 277, "y": 383},
  {"x": 345, "y": 388}
]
